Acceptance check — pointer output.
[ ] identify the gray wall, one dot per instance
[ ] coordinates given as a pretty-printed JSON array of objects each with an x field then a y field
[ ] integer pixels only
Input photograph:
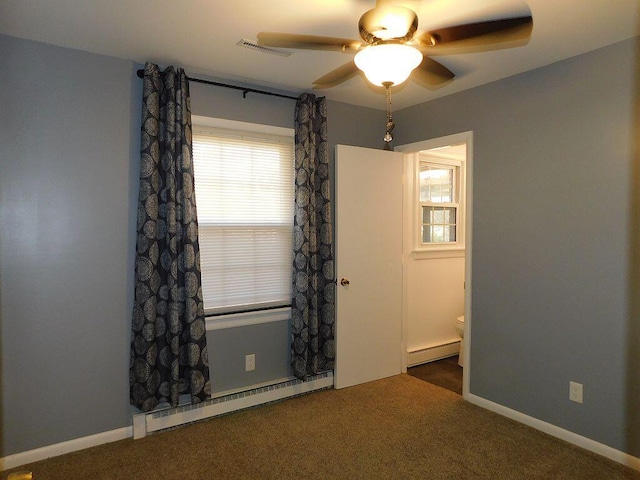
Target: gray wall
[
  {"x": 68, "y": 137},
  {"x": 69, "y": 147},
  {"x": 270, "y": 344},
  {"x": 218, "y": 102},
  {"x": 555, "y": 232}
]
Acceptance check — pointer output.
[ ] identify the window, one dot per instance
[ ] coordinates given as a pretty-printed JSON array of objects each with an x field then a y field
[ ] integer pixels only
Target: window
[
  {"x": 244, "y": 194},
  {"x": 439, "y": 201}
]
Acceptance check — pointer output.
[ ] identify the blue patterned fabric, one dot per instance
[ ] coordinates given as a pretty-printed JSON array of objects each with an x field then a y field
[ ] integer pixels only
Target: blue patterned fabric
[
  {"x": 168, "y": 340},
  {"x": 313, "y": 303}
]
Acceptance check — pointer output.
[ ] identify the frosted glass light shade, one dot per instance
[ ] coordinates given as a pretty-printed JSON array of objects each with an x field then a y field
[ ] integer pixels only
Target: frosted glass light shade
[{"x": 388, "y": 63}]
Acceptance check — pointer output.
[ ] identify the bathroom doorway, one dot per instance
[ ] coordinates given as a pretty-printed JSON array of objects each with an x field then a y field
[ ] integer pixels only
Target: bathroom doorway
[{"x": 437, "y": 250}]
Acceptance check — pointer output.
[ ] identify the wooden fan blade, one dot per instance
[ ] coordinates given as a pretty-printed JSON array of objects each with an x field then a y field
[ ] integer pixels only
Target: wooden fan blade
[
  {"x": 336, "y": 76},
  {"x": 432, "y": 73},
  {"x": 308, "y": 42},
  {"x": 489, "y": 34}
]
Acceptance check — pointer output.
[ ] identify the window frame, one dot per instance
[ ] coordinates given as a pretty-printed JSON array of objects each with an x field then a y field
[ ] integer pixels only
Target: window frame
[
  {"x": 204, "y": 125},
  {"x": 440, "y": 249}
]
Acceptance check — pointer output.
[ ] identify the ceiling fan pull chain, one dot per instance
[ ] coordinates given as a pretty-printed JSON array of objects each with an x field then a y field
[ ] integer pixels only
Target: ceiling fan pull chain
[{"x": 390, "y": 125}]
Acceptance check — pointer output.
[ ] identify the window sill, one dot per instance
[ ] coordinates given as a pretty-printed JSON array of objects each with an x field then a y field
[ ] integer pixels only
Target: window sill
[
  {"x": 453, "y": 252},
  {"x": 245, "y": 319}
]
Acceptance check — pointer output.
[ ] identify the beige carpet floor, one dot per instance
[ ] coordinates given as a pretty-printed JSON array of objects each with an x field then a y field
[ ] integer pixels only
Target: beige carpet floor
[{"x": 396, "y": 428}]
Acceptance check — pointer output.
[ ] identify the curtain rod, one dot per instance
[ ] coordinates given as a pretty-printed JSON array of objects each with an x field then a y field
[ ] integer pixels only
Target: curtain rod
[{"x": 244, "y": 90}]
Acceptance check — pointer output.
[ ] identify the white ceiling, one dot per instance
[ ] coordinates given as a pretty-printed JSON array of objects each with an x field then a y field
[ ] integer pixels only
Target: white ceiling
[{"x": 201, "y": 36}]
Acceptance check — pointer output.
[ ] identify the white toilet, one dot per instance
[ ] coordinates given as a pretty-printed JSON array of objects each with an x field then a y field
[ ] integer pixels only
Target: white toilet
[{"x": 460, "y": 330}]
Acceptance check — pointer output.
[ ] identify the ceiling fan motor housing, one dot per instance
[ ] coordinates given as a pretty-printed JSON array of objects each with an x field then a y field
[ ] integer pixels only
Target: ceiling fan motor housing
[{"x": 388, "y": 23}]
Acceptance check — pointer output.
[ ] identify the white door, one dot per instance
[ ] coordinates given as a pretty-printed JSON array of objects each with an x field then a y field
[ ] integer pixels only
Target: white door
[{"x": 368, "y": 265}]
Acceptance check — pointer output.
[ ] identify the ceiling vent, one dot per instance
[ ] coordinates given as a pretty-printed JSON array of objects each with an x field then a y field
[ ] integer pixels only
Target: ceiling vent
[{"x": 254, "y": 46}]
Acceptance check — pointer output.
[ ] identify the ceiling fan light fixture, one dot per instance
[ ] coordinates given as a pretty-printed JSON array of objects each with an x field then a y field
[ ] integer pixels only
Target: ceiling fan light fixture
[{"x": 388, "y": 63}]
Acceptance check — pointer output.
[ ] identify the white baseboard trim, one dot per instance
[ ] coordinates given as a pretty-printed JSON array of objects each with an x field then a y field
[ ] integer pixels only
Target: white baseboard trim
[
  {"x": 555, "y": 431},
  {"x": 432, "y": 353},
  {"x": 13, "y": 461}
]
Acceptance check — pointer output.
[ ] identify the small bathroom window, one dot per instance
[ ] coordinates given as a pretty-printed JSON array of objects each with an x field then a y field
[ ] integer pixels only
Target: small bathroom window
[
  {"x": 440, "y": 198},
  {"x": 438, "y": 203}
]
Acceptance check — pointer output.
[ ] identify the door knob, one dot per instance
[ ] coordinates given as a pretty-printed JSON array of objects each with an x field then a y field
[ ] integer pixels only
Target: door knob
[{"x": 344, "y": 282}]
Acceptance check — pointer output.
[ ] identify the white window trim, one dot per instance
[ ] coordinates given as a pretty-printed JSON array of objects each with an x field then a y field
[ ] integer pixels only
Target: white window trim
[
  {"x": 441, "y": 250},
  {"x": 271, "y": 311},
  {"x": 411, "y": 152},
  {"x": 435, "y": 159},
  {"x": 200, "y": 121}
]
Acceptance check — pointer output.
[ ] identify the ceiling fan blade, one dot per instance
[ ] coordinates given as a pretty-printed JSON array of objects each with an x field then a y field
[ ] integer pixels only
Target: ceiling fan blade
[
  {"x": 309, "y": 42},
  {"x": 336, "y": 76},
  {"x": 432, "y": 73},
  {"x": 478, "y": 35}
]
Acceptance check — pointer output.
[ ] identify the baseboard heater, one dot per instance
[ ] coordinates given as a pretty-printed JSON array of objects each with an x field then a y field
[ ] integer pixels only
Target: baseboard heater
[
  {"x": 432, "y": 353},
  {"x": 144, "y": 423}
]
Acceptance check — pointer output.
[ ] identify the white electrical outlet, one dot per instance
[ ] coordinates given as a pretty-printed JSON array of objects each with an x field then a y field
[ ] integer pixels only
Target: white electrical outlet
[
  {"x": 575, "y": 392},
  {"x": 250, "y": 362}
]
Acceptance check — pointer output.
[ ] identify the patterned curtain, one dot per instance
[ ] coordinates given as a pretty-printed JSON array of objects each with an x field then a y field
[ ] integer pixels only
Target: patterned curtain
[
  {"x": 168, "y": 341},
  {"x": 313, "y": 304}
]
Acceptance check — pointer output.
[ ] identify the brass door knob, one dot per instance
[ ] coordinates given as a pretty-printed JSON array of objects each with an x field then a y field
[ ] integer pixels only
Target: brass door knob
[{"x": 344, "y": 282}]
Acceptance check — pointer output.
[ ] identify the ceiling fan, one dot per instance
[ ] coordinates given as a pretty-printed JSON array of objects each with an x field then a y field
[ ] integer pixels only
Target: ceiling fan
[{"x": 390, "y": 50}]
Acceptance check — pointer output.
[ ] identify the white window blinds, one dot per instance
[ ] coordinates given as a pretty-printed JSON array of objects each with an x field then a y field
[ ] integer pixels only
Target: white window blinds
[{"x": 244, "y": 195}]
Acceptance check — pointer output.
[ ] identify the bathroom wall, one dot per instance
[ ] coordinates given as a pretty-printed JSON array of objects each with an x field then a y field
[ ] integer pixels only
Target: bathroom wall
[{"x": 435, "y": 297}]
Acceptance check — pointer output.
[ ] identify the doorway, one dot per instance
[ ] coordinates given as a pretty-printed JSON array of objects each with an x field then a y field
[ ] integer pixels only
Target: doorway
[{"x": 437, "y": 249}]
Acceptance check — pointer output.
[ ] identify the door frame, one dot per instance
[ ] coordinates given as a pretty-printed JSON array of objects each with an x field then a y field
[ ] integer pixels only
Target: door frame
[{"x": 408, "y": 150}]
